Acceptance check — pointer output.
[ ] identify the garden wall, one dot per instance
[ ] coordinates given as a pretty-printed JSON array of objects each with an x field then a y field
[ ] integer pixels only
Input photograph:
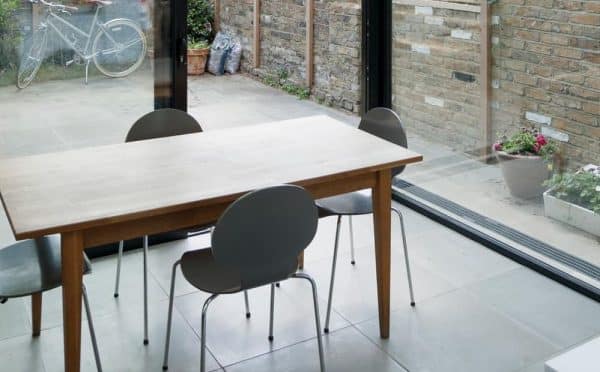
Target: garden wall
[
  {"x": 545, "y": 72},
  {"x": 337, "y": 42}
]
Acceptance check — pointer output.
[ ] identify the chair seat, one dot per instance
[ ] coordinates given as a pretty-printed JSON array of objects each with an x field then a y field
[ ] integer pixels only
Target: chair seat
[
  {"x": 353, "y": 203},
  {"x": 32, "y": 266},
  {"x": 201, "y": 271}
]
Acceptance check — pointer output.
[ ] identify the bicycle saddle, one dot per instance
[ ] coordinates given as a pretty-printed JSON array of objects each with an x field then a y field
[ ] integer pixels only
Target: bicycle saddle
[{"x": 101, "y": 2}]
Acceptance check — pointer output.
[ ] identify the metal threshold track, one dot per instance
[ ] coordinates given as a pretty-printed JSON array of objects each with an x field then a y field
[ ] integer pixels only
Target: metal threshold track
[{"x": 435, "y": 207}]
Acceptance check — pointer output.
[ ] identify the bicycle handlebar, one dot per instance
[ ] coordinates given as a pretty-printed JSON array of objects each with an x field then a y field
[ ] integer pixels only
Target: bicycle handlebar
[{"x": 53, "y": 5}]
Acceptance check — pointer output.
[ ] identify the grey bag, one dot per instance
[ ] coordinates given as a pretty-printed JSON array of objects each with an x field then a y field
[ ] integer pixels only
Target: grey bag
[
  {"x": 232, "y": 63},
  {"x": 218, "y": 54}
]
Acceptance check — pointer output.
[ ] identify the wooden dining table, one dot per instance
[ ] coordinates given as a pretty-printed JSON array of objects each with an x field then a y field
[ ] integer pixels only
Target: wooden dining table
[{"x": 104, "y": 194}]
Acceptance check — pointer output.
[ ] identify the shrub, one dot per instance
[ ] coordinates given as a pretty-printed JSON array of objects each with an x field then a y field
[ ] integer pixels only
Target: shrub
[
  {"x": 9, "y": 35},
  {"x": 199, "y": 21},
  {"x": 581, "y": 188},
  {"x": 528, "y": 141}
]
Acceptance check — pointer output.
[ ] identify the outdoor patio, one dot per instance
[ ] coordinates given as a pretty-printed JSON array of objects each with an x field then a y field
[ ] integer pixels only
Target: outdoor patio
[{"x": 476, "y": 310}]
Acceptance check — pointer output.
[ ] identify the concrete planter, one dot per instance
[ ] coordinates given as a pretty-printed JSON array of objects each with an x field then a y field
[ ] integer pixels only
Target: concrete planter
[
  {"x": 571, "y": 214},
  {"x": 196, "y": 61},
  {"x": 524, "y": 175}
]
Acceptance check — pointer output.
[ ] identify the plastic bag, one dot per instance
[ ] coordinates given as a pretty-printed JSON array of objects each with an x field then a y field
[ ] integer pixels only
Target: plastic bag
[
  {"x": 218, "y": 54},
  {"x": 232, "y": 63}
]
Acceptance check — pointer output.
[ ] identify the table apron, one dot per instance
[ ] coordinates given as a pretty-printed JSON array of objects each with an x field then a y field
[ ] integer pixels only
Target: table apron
[{"x": 202, "y": 215}]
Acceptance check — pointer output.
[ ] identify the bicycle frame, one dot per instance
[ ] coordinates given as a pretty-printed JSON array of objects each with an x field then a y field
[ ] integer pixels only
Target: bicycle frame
[{"x": 84, "y": 53}]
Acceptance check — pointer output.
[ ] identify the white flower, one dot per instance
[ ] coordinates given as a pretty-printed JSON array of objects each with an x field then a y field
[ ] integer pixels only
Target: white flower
[{"x": 598, "y": 188}]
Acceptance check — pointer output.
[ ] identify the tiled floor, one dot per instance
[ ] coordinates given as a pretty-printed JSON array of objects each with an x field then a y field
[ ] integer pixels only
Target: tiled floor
[{"x": 476, "y": 311}]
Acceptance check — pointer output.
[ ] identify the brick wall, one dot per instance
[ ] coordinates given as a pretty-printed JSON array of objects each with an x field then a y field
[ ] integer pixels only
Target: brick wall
[
  {"x": 283, "y": 44},
  {"x": 545, "y": 72}
]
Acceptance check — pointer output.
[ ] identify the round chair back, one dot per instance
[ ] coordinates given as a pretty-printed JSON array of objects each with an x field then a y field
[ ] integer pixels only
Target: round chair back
[
  {"x": 162, "y": 123},
  {"x": 262, "y": 233},
  {"x": 385, "y": 123}
]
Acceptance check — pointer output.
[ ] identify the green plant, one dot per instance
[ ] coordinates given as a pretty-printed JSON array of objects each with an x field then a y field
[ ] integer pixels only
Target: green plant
[
  {"x": 201, "y": 44},
  {"x": 199, "y": 20},
  {"x": 581, "y": 188},
  {"x": 281, "y": 82},
  {"x": 528, "y": 141},
  {"x": 9, "y": 35}
]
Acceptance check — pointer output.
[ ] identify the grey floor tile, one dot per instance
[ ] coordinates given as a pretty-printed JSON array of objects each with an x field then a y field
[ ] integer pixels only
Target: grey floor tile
[
  {"x": 14, "y": 318},
  {"x": 121, "y": 347},
  {"x": 355, "y": 287},
  {"x": 561, "y": 315},
  {"x": 21, "y": 354},
  {"x": 100, "y": 287},
  {"x": 233, "y": 338},
  {"x": 345, "y": 351},
  {"x": 454, "y": 332}
]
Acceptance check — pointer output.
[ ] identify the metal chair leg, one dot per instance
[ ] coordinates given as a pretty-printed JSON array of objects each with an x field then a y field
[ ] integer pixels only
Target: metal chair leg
[
  {"x": 146, "y": 290},
  {"x": 247, "y": 304},
  {"x": 331, "y": 282},
  {"x": 317, "y": 316},
  {"x": 203, "y": 333},
  {"x": 352, "y": 260},
  {"x": 410, "y": 285},
  {"x": 170, "y": 316},
  {"x": 88, "y": 312},
  {"x": 272, "y": 311},
  {"x": 119, "y": 259}
]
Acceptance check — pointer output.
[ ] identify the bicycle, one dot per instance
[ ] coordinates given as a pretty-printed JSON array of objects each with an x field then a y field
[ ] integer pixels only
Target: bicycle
[{"x": 117, "y": 47}]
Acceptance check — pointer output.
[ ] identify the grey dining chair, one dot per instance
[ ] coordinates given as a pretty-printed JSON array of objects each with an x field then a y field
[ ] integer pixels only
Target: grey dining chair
[
  {"x": 160, "y": 123},
  {"x": 31, "y": 267},
  {"x": 384, "y": 123},
  {"x": 255, "y": 242}
]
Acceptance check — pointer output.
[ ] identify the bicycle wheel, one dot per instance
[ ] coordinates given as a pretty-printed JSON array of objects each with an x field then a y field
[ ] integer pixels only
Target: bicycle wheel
[
  {"x": 33, "y": 56},
  {"x": 119, "y": 48}
]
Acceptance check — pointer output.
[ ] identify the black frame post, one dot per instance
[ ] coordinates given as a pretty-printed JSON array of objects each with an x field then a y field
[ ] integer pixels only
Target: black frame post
[{"x": 376, "y": 54}]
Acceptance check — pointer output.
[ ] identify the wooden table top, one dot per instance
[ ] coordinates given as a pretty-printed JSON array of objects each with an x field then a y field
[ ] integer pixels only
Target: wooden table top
[{"x": 78, "y": 189}]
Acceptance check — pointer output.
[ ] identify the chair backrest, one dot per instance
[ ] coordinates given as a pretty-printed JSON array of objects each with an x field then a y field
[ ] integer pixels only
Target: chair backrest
[
  {"x": 262, "y": 233},
  {"x": 162, "y": 123},
  {"x": 385, "y": 123}
]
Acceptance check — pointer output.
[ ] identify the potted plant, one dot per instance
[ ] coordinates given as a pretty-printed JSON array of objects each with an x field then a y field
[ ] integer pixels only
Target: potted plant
[
  {"x": 525, "y": 159},
  {"x": 574, "y": 198},
  {"x": 200, "y": 33},
  {"x": 197, "y": 55}
]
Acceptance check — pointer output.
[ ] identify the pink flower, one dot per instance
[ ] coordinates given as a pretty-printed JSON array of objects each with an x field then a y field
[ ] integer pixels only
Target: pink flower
[
  {"x": 497, "y": 146},
  {"x": 537, "y": 147},
  {"x": 541, "y": 140}
]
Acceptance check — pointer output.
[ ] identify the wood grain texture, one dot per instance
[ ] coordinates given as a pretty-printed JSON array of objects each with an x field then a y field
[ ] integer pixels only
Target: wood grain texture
[
  {"x": 310, "y": 52},
  {"x": 36, "y": 313},
  {"x": 256, "y": 41},
  {"x": 94, "y": 188},
  {"x": 72, "y": 276},
  {"x": 485, "y": 83},
  {"x": 441, "y": 5},
  {"x": 382, "y": 204}
]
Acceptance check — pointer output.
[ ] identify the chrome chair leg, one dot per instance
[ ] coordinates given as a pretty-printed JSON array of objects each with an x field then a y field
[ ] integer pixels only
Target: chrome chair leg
[
  {"x": 88, "y": 313},
  {"x": 272, "y": 311},
  {"x": 410, "y": 285},
  {"x": 247, "y": 304},
  {"x": 119, "y": 259},
  {"x": 352, "y": 260},
  {"x": 170, "y": 315},
  {"x": 317, "y": 316},
  {"x": 331, "y": 282},
  {"x": 146, "y": 290},
  {"x": 203, "y": 333}
]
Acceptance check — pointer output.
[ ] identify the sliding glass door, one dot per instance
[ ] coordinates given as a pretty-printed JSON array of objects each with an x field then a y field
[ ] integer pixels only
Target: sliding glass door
[{"x": 503, "y": 100}]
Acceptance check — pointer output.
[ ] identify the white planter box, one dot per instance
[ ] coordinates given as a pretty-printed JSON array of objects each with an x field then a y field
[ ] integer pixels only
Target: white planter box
[{"x": 571, "y": 214}]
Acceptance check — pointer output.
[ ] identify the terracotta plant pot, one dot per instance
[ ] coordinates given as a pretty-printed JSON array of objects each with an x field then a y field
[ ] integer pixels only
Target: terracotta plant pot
[
  {"x": 196, "y": 59},
  {"x": 524, "y": 175}
]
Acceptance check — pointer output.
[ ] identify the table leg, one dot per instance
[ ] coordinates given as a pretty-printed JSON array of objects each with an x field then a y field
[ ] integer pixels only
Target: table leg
[
  {"x": 382, "y": 203},
  {"x": 36, "y": 313},
  {"x": 72, "y": 273}
]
